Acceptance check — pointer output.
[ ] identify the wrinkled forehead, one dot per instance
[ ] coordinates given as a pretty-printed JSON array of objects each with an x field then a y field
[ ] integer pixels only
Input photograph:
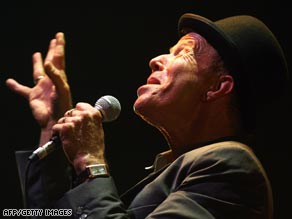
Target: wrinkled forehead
[{"x": 186, "y": 41}]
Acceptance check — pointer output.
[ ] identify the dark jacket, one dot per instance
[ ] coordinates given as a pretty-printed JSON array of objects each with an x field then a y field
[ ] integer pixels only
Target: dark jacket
[{"x": 222, "y": 180}]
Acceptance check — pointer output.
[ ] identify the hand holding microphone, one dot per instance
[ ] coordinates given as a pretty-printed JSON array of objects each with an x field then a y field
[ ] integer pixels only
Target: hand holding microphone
[{"x": 108, "y": 106}]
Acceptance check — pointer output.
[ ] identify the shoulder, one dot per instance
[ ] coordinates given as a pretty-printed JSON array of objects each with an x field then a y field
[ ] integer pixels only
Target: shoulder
[
  {"x": 226, "y": 155},
  {"x": 222, "y": 149}
]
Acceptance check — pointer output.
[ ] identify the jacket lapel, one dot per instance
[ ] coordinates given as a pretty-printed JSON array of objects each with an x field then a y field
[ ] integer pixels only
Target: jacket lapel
[{"x": 130, "y": 194}]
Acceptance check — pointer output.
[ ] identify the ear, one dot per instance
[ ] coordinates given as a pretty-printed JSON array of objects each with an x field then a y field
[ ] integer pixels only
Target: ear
[{"x": 224, "y": 86}]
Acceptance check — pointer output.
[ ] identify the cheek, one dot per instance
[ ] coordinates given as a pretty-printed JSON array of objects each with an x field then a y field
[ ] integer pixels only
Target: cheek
[
  {"x": 181, "y": 85},
  {"x": 186, "y": 91}
]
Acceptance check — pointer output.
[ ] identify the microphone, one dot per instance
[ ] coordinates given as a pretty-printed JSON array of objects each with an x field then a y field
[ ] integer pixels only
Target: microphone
[{"x": 108, "y": 106}]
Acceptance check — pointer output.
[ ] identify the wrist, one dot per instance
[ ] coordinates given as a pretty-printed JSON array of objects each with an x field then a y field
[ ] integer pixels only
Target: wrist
[
  {"x": 81, "y": 162},
  {"x": 46, "y": 132},
  {"x": 45, "y": 136}
]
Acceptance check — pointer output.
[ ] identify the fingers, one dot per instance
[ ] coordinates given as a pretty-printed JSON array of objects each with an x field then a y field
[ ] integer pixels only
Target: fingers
[
  {"x": 59, "y": 56},
  {"x": 56, "y": 52},
  {"x": 71, "y": 121},
  {"x": 38, "y": 68},
  {"x": 55, "y": 75},
  {"x": 82, "y": 106},
  {"x": 50, "y": 53},
  {"x": 69, "y": 112},
  {"x": 83, "y": 111},
  {"x": 36, "y": 80},
  {"x": 55, "y": 64}
]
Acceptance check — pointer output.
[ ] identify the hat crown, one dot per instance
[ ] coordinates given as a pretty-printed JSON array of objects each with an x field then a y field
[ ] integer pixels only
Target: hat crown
[{"x": 250, "y": 50}]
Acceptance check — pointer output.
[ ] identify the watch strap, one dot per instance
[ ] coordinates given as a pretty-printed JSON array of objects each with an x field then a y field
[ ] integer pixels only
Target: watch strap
[{"x": 91, "y": 171}]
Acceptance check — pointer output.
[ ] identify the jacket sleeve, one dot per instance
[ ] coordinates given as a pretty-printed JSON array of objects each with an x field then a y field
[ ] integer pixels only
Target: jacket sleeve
[
  {"x": 44, "y": 181},
  {"x": 48, "y": 183},
  {"x": 96, "y": 198}
]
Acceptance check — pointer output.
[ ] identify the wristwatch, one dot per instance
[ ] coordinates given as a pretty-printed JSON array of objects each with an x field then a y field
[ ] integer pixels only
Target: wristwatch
[{"x": 91, "y": 172}]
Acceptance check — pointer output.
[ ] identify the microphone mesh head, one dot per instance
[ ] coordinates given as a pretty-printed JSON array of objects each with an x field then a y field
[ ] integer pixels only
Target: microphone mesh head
[{"x": 109, "y": 107}]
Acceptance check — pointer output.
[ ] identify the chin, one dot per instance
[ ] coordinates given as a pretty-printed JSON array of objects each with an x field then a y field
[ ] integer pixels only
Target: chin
[
  {"x": 139, "y": 105},
  {"x": 143, "y": 107}
]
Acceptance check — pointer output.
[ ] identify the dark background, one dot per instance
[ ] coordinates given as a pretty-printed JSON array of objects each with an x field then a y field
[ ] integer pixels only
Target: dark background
[{"x": 107, "y": 52}]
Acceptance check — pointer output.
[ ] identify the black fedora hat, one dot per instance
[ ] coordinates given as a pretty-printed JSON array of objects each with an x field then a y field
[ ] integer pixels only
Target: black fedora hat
[{"x": 250, "y": 50}]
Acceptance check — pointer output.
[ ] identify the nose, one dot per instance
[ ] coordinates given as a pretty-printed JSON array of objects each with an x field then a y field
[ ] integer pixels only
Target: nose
[{"x": 157, "y": 63}]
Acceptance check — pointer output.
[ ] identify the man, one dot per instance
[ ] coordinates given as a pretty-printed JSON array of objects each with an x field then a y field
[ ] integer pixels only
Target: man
[{"x": 202, "y": 97}]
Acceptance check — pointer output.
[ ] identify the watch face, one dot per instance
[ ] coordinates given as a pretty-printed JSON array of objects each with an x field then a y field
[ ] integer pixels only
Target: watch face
[
  {"x": 91, "y": 171},
  {"x": 97, "y": 170}
]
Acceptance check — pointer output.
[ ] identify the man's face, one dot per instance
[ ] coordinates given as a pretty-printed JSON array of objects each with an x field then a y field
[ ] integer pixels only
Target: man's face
[{"x": 175, "y": 86}]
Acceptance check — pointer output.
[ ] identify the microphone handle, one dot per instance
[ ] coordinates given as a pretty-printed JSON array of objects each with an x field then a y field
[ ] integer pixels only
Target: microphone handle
[{"x": 47, "y": 148}]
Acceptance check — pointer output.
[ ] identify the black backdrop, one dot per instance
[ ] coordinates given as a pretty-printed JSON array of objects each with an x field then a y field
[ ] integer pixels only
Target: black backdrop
[{"x": 107, "y": 52}]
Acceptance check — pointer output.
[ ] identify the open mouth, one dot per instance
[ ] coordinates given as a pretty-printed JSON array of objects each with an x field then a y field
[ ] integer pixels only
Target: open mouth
[{"x": 152, "y": 80}]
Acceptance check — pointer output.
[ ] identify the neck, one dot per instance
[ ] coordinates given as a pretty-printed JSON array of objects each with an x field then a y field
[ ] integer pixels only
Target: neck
[{"x": 211, "y": 126}]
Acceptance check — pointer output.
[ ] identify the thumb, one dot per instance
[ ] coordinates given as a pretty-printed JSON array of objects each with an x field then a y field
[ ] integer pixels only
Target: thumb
[{"x": 18, "y": 88}]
